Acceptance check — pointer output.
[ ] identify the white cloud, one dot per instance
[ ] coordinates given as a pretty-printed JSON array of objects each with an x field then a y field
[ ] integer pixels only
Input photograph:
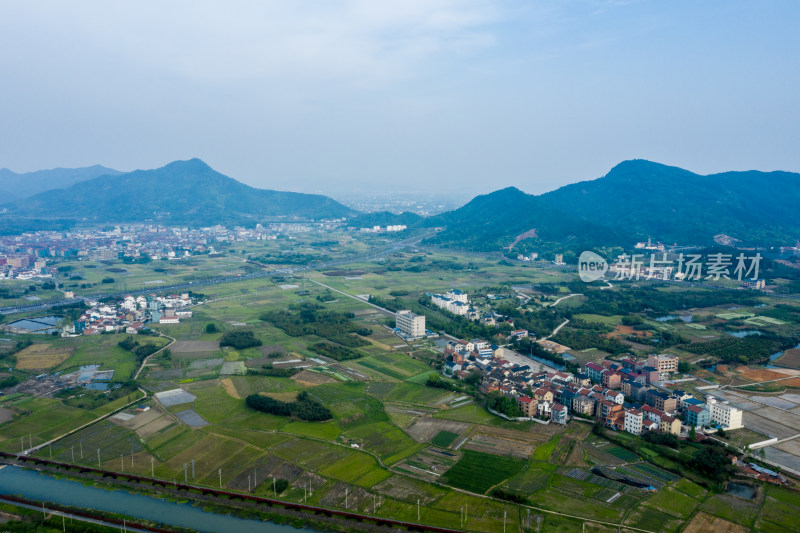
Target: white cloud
[{"x": 362, "y": 41}]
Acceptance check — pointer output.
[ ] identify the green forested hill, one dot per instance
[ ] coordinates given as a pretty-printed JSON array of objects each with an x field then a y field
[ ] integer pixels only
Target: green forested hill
[
  {"x": 182, "y": 192},
  {"x": 495, "y": 220},
  {"x": 635, "y": 200},
  {"x": 674, "y": 205}
]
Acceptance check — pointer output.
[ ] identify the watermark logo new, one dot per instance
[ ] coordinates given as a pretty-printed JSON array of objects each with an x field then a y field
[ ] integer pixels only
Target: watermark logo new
[{"x": 591, "y": 266}]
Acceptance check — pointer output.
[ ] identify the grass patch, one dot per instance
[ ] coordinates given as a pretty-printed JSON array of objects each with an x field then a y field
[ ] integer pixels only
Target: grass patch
[
  {"x": 689, "y": 488},
  {"x": 478, "y": 472},
  {"x": 544, "y": 451},
  {"x": 673, "y": 502},
  {"x": 622, "y": 453}
]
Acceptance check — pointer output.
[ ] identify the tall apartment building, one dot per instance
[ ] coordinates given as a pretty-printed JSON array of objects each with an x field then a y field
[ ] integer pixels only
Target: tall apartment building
[
  {"x": 664, "y": 363},
  {"x": 102, "y": 254},
  {"x": 633, "y": 421},
  {"x": 723, "y": 414},
  {"x": 411, "y": 324},
  {"x": 661, "y": 400}
]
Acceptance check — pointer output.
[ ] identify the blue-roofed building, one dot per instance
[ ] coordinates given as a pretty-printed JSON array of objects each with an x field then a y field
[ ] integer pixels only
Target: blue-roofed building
[{"x": 697, "y": 415}]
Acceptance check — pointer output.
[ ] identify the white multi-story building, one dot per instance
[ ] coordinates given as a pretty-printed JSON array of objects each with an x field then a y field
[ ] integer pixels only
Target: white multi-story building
[
  {"x": 633, "y": 421},
  {"x": 457, "y": 295},
  {"x": 453, "y": 301},
  {"x": 723, "y": 414},
  {"x": 411, "y": 324}
]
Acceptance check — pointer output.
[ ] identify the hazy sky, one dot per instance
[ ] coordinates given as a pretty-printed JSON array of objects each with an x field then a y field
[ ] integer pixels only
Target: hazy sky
[{"x": 453, "y": 95}]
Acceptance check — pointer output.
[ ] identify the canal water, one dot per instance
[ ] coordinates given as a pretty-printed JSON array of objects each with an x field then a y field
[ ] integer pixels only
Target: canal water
[{"x": 42, "y": 487}]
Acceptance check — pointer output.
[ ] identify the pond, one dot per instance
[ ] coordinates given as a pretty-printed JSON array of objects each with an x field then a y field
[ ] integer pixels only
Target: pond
[
  {"x": 546, "y": 362},
  {"x": 43, "y": 487},
  {"x": 740, "y": 490},
  {"x": 39, "y": 325}
]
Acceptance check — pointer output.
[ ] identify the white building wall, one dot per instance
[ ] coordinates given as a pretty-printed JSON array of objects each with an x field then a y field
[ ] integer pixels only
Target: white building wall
[{"x": 411, "y": 324}]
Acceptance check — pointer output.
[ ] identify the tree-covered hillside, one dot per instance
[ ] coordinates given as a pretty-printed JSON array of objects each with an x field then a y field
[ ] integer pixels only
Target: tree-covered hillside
[{"x": 182, "y": 192}]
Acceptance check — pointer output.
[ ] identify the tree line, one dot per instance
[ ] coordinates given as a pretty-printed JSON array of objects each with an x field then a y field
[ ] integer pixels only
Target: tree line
[{"x": 304, "y": 407}]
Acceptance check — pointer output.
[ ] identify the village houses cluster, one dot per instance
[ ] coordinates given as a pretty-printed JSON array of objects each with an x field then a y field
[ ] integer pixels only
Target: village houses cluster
[
  {"x": 130, "y": 315},
  {"x": 624, "y": 395},
  {"x": 24, "y": 256}
]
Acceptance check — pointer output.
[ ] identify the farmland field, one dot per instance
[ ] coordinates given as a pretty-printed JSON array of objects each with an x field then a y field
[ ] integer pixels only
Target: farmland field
[
  {"x": 42, "y": 356},
  {"x": 622, "y": 453},
  {"x": 478, "y": 472},
  {"x": 393, "y": 440},
  {"x": 443, "y": 439},
  {"x": 789, "y": 359},
  {"x": 673, "y": 502}
]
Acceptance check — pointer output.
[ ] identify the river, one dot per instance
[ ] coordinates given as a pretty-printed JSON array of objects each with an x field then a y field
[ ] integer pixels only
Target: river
[{"x": 38, "y": 486}]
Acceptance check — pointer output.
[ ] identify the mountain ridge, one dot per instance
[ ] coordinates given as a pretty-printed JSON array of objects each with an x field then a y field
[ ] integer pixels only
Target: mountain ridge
[
  {"x": 635, "y": 200},
  {"x": 181, "y": 192},
  {"x": 15, "y": 186}
]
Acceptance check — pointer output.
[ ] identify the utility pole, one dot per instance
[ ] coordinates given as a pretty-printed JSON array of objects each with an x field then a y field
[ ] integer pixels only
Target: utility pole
[
  {"x": 220, "y": 477},
  {"x": 185, "y": 473},
  {"x": 504, "y": 521},
  {"x": 417, "y": 509},
  {"x": 81, "y": 443},
  {"x": 98, "y": 457},
  {"x": 22, "y": 442},
  {"x": 152, "y": 467},
  {"x": 122, "y": 460},
  {"x": 345, "y": 498},
  {"x": 275, "y": 490}
]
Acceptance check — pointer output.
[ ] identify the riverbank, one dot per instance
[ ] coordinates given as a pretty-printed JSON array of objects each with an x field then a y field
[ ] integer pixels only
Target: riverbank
[{"x": 272, "y": 516}]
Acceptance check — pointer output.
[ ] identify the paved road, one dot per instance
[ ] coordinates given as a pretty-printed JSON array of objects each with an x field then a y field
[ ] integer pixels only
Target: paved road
[
  {"x": 564, "y": 298},
  {"x": 144, "y": 361},
  {"x": 379, "y": 308},
  {"x": 558, "y": 328}
]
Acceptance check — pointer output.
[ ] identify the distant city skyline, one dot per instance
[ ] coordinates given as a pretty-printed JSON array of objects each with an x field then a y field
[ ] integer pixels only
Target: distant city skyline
[{"x": 467, "y": 96}]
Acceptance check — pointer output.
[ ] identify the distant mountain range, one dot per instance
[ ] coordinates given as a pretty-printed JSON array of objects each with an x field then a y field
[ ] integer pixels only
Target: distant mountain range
[
  {"x": 182, "y": 192},
  {"x": 635, "y": 200},
  {"x": 15, "y": 186}
]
